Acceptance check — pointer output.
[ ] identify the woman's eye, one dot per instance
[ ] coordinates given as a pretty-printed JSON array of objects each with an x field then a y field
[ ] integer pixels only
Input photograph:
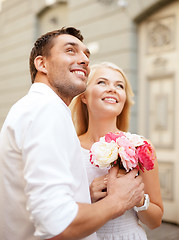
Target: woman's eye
[{"x": 120, "y": 86}]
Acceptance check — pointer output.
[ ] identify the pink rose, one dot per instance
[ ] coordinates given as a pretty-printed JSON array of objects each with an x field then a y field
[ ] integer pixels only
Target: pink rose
[
  {"x": 135, "y": 139},
  {"x": 113, "y": 136},
  {"x": 127, "y": 153},
  {"x": 146, "y": 156}
]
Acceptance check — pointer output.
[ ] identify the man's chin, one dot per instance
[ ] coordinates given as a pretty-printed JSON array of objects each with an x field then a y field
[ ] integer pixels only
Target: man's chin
[
  {"x": 81, "y": 88},
  {"x": 78, "y": 92}
]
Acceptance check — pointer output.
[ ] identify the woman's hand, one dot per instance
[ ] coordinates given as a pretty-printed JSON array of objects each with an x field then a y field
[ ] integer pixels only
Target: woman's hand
[
  {"x": 98, "y": 188},
  {"x": 121, "y": 173}
]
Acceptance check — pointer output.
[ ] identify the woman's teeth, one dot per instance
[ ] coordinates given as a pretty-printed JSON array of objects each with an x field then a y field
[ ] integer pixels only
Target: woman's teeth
[{"x": 112, "y": 100}]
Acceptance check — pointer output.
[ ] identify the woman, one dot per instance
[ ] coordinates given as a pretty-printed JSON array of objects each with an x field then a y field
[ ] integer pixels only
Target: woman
[{"x": 104, "y": 107}]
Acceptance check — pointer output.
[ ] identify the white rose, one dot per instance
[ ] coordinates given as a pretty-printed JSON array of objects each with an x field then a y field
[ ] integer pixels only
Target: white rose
[{"x": 104, "y": 153}]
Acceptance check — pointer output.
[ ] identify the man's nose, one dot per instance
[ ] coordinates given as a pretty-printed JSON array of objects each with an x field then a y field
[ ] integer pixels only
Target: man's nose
[{"x": 83, "y": 59}]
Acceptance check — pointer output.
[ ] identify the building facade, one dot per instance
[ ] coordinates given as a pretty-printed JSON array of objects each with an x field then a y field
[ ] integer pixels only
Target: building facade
[{"x": 141, "y": 36}]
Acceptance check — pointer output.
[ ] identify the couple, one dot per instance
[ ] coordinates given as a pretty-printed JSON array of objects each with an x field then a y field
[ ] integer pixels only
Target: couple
[{"x": 45, "y": 190}]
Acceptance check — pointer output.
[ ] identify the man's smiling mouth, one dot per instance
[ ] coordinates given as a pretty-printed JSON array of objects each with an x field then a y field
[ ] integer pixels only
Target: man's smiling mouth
[{"x": 82, "y": 73}]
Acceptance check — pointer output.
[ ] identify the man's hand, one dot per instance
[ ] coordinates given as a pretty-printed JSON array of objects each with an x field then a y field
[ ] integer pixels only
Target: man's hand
[{"x": 127, "y": 190}]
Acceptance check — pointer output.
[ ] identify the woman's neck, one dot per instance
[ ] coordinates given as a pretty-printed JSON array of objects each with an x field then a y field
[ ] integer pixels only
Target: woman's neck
[{"x": 96, "y": 129}]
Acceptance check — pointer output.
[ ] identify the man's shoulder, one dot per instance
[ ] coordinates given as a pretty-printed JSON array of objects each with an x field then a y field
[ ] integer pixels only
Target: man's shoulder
[
  {"x": 34, "y": 100},
  {"x": 36, "y": 105}
]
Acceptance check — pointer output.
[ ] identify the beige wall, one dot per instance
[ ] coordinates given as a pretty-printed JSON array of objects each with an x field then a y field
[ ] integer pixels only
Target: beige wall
[
  {"x": 16, "y": 34},
  {"x": 108, "y": 28}
]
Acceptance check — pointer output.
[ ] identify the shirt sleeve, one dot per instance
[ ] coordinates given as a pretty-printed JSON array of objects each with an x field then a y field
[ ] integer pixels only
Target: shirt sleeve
[{"x": 47, "y": 171}]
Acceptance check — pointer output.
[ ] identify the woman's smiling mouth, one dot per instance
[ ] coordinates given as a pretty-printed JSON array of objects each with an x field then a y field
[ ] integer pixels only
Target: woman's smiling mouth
[{"x": 110, "y": 99}]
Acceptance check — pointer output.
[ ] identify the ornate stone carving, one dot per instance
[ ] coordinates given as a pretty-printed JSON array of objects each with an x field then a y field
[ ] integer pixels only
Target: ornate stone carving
[
  {"x": 160, "y": 34},
  {"x": 160, "y": 63},
  {"x": 160, "y": 66}
]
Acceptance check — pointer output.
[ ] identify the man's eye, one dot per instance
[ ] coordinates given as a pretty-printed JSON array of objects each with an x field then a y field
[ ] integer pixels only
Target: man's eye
[
  {"x": 101, "y": 82},
  {"x": 70, "y": 50}
]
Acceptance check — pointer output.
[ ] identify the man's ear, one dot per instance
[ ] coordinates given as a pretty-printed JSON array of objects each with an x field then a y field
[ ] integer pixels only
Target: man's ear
[
  {"x": 40, "y": 64},
  {"x": 83, "y": 98}
]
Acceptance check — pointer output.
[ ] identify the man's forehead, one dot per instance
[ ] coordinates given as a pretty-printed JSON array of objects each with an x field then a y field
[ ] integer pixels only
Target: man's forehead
[{"x": 65, "y": 39}]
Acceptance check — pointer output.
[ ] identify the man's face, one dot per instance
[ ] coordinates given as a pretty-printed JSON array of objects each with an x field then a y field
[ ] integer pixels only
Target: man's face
[{"x": 67, "y": 67}]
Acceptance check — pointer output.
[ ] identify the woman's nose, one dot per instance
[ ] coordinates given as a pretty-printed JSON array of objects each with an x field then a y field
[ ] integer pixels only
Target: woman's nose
[{"x": 111, "y": 88}]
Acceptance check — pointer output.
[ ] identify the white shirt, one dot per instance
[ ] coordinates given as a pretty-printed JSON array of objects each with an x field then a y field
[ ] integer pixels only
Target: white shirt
[{"x": 42, "y": 171}]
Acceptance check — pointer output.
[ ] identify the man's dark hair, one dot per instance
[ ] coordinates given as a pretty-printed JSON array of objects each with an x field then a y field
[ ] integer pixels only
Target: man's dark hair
[{"x": 44, "y": 44}]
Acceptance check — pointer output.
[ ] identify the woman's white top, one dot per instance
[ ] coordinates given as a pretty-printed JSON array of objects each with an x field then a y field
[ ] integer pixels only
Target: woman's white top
[{"x": 125, "y": 227}]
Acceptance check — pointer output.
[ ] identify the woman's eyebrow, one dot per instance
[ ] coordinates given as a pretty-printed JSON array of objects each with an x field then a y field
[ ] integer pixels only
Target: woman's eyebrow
[
  {"x": 106, "y": 79},
  {"x": 103, "y": 78}
]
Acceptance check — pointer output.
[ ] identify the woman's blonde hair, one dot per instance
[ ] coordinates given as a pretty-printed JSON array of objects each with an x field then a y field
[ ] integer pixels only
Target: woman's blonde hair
[{"x": 79, "y": 109}]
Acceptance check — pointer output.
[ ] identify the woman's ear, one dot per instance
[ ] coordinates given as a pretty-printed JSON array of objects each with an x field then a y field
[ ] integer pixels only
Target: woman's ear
[
  {"x": 40, "y": 64},
  {"x": 83, "y": 98}
]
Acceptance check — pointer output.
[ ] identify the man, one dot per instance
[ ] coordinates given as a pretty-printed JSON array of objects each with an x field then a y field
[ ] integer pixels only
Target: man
[{"x": 45, "y": 190}]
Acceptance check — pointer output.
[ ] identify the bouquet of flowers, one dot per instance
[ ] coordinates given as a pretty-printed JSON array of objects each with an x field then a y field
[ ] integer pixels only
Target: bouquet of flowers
[{"x": 129, "y": 150}]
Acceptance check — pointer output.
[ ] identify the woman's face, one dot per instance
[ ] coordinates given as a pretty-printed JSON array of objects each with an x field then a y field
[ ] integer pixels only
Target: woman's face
[{"x": 105, "y": 94}]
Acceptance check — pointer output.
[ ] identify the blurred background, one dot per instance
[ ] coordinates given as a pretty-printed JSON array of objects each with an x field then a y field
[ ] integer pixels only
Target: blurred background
[{"x": 141, "y": 36}]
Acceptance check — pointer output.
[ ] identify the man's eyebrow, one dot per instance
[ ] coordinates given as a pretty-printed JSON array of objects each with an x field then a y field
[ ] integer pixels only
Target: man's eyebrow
[
  {"x": 75, "y": 45},
  {"x": 71, "y": 43}
]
